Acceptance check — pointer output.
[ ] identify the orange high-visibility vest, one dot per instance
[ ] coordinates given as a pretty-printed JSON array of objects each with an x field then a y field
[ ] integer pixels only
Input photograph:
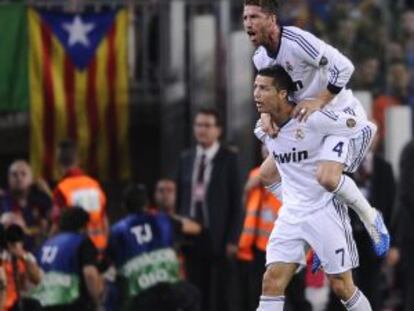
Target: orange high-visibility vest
[
  {"x": 11, "y": 289},
  {"x": 85, "y": 192},
  {"x": 262, "y": 209}
]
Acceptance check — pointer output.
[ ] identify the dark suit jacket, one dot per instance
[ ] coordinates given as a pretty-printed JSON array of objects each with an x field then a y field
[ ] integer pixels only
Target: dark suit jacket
[
  {"x": 383, "y": 191},
  {"x": 223, "y": 196},
  {"x": 404, "y": 218}
]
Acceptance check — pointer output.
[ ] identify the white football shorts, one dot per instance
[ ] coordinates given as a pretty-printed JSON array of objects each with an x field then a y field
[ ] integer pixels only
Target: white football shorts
[{"x": 328, "y": 232}]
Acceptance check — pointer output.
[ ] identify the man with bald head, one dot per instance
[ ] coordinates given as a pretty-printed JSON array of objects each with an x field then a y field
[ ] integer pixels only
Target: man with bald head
[
  {"x": 20, "y": 177},
  {"x": 25, "y": 203}
]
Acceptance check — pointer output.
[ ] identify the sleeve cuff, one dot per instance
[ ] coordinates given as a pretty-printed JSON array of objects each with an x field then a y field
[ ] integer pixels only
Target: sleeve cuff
[
  {"x": 258, "y": 131},
  {"x": 334, "y": 89}
]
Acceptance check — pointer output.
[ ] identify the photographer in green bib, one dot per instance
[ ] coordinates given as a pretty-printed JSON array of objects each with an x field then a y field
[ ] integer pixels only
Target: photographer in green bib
[{"x": 141, "y": 247}]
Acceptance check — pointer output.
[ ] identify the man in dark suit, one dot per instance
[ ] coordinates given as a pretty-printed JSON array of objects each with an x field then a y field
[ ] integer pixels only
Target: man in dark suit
[
  {"x": 209, "y": 191},
  {"x": 376, "y": 179},
  {"x": 405, "y": 223}
]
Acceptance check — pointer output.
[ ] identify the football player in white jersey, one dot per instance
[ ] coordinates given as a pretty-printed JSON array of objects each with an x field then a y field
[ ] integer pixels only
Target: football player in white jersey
[
  {"x": 310, "y": 216},
  {"x": 320, "y": 74}
]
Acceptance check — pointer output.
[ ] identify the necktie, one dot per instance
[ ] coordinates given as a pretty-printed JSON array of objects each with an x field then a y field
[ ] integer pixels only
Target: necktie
[
  {"x": 201, "y": 169},
  {"x": 199, "y": 204}
]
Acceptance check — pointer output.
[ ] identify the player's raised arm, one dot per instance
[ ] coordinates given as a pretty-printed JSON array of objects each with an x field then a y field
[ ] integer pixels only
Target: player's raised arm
[
  {"x": 319, "y": 54},
  {"x": 340, "y": 69},
  {"x": 309, "y": 48}
]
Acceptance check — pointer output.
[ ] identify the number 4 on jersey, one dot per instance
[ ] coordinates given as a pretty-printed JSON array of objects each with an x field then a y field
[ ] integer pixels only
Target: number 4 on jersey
[{"x": 338, "y": 148}]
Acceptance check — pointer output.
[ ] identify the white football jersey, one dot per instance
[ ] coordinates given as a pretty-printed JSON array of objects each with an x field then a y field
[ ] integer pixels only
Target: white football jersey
[
  {"x": 313, "y": 66},
  {"x": 296, "y": 151}
]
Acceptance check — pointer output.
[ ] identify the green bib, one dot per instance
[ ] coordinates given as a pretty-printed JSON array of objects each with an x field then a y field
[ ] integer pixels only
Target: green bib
[
  {"x": 57, "y": 289},
  {"x": 149, "y": 269}
]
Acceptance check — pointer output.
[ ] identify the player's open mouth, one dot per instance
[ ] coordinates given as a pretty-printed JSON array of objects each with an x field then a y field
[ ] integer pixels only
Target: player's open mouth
[{"x": 251, "y": 34}]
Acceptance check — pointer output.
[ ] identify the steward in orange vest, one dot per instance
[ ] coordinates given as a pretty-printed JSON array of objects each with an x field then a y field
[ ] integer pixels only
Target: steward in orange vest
[
  {"x": 78, "y": 189},
  {"x": 262, "y": 209}
]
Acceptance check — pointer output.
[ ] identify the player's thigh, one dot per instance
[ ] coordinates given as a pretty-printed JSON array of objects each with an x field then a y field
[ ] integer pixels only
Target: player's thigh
[
  {"x": 335, "y": 149},
  {"x": 359, "y": 147},
  {"x": 329, "y": 174},
  {"x": 329, "y": 233},
  {"x": 286, "y": 244},
  {"x": 333, "y": 159},
  {"x": 342, "y": 284}
]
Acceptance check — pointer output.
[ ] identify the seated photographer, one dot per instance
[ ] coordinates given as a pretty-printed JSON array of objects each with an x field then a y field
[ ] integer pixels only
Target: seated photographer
[
  {"x": 19, "y": 271},
  {"x": 141, "y": 247}
]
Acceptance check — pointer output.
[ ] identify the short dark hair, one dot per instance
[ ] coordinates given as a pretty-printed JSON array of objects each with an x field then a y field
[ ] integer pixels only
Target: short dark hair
[
  {"x": 135, "y": 197},
  {"x": 3, "y": 241},
  {"x": 68, "y": 152},
  {"x": 165, "y": 179},
  {"x": 397, "y": 61},
  {"x": 14, "y": 233},
  {"x": 212, "y": 112},
  {"x": 73, "y": 219},
  {"x": 269, "y": 6},
  {"x": 281, "y": 79}
]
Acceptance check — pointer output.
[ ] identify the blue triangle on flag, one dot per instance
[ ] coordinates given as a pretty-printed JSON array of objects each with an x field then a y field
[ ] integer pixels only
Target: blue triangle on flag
[{"x": 80, "y": 34}]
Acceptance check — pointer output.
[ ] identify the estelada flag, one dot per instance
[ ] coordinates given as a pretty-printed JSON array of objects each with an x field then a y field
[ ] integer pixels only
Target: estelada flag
[
  {"x": 14, "y": 82},
  {"x": 79, "y": 90}
]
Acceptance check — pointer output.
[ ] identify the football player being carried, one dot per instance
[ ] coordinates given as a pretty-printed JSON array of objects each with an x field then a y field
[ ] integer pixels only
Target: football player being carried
[{"x": 311, "y": 216}]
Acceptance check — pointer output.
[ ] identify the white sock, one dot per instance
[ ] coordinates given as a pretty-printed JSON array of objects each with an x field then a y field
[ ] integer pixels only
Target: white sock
[
  {"x": 358, "y": 302},
  {"x": 276, "y": 190},
  {"x": 268, "y": 303},
  {"x": 349, "y": 193}
]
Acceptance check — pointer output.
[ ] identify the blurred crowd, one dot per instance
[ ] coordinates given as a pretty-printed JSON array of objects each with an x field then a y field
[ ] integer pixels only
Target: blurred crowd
[{"x": 378, "y": 36}]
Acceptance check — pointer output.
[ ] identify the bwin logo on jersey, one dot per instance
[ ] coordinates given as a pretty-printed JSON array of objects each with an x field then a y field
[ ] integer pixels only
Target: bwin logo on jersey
[{"x": 294, "y": 156}]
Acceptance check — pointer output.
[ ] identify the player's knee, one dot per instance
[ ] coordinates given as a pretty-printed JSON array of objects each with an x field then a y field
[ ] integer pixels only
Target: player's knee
[
  {"x": 273, "y": 283},
  {"x": 338, "y": 286},
  {"x": 329, "y": 175},
  {"x": 342, "y": 288},
  {"x": 327, "y": 181}
]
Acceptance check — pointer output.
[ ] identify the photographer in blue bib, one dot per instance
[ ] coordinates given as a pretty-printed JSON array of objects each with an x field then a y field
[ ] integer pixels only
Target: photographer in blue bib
[
  {"x": 71, "y": 280},
  {"x": 141, "y": 247}
]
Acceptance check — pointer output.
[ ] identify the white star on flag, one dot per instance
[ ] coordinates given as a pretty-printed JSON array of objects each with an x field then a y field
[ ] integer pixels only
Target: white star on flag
[{"x": 78, "y": 31}]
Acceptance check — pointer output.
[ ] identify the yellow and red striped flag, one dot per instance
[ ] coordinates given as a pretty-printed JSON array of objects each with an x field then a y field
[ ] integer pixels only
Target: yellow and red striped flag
[{"x": 79, "y": 90}]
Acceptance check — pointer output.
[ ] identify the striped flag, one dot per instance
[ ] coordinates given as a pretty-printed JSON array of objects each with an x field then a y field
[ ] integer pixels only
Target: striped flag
[
  {"x": 14, "y": 86},
  {"x": 79, "y": 90}
]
